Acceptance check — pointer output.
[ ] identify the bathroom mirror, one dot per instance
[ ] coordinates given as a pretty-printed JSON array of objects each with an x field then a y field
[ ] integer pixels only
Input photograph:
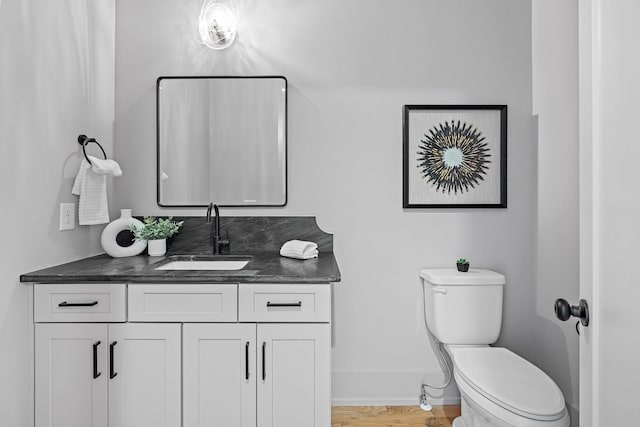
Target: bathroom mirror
[{"x": 222, "y": 140}]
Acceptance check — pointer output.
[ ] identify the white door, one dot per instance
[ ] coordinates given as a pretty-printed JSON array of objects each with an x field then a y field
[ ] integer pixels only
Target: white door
[
  {"x": 294, "y": 366},
  {"x": 144, "y": 385},
  {"x": 219, "y": 377},
  {"x": 610, "y": 210},
  {"x": 70, "y": 375}
]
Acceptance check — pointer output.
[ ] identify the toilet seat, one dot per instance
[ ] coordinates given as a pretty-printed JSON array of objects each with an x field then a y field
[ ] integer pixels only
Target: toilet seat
[{"x": 509, "y": 381}]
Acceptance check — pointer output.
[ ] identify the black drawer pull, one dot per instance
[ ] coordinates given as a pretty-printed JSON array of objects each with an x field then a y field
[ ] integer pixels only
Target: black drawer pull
[
  {"x": 96, "y": 374},
  {"x": 264, "y": 363},
  {"x": 77, "y": 304},
  {"x": 284, "y": 304},
  {"x": 246, "y": 361},
  {"x": 112, "y": 373}
]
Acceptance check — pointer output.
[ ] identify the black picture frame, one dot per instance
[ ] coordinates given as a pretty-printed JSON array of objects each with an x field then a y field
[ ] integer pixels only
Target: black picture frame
[{"x": 470, "y": 140}]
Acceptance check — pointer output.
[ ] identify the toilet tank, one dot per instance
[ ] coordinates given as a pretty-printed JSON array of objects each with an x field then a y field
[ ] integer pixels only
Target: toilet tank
[{"x": 463, "y": 308}]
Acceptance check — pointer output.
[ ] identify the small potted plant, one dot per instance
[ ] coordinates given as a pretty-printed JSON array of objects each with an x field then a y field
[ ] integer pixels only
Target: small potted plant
[
  {"x": 156, "y": 232},
  {"x": 463, "y": 265}
]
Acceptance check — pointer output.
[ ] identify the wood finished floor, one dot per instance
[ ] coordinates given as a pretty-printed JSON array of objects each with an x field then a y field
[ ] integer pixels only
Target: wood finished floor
[{"x": 392, "y": 416}]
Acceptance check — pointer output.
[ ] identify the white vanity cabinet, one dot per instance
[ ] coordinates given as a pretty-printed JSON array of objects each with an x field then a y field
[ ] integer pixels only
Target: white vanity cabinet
[
  {"x": 272, "y": 369},
  {"x": 219, "y": 376},
  {"x": 67, "y": 390},
  {"x": 294, "y": 385},
  {"x": 248, "y": 375},
  {"x": 144, "y": 374},
  {"x": 102, "y": 374},
  {"x": 182, "y": 355}
]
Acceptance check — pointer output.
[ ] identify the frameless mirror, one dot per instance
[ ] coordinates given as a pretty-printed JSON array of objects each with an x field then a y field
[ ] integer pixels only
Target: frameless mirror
[{"x": 222, "y": 140}]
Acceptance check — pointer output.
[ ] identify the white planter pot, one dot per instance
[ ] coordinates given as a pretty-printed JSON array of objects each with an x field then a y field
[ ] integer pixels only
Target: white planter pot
[
  {"x": 111, "y": 231},
  {"x": 157, "y": 247}
]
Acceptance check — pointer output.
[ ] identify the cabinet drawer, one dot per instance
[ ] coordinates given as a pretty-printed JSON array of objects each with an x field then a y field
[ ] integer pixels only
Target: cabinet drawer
[
  {"x": 183, "y": 303},
  {"x": 284, "y": 303},
  {"x": 101, "y": 302}
]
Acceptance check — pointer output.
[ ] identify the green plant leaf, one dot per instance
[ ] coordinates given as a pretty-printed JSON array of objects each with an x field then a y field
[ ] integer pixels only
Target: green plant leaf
[{"x": 156, "y": 229}]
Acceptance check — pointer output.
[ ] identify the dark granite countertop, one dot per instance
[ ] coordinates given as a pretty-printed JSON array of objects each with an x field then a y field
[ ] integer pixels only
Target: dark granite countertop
[
  {"x": 263, "y": 267},
  {"x": 257, "y": 239}
]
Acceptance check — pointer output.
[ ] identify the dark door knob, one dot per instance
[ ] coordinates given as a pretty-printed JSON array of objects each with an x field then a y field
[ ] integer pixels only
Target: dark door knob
[{"x": 564, "y": 310}]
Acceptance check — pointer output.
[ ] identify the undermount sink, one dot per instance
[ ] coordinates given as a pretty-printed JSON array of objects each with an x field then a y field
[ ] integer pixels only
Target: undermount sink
[{"x": 222, "y": 263}]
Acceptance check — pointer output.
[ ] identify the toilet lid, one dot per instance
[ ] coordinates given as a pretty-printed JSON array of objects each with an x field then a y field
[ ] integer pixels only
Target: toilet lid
[
  {"x": 510, "y": 381},
  {"x": 452, "y": 277}
]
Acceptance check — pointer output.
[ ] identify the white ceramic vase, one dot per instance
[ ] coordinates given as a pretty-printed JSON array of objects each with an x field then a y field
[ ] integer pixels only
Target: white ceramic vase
[
  {"x": 111, "y": 231},
  {"x": 157, "y": 247}
]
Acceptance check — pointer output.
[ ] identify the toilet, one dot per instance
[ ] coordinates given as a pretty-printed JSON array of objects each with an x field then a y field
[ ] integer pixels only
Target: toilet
[{"x": 498, "y": 388}]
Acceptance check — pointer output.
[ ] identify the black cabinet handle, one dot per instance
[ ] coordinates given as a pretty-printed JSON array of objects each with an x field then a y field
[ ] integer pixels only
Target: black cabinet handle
[
  {"x": 112, "y": 373},
  {"x": 284, "y": 304},
  {"x": 246, "y": 361},
  {"x": 264, "y": 364},
  {"x": 77, "y": 304},
  {"x": 96, "y": 374}
]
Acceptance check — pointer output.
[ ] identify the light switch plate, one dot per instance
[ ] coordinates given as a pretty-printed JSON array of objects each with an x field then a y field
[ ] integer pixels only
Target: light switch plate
[{"x": 67, "y": 216}]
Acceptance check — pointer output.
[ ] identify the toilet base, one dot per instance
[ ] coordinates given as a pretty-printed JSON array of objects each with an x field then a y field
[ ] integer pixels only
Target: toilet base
[
  {"x": 458, "y": 422},
  {"x": 475, "y": 414}
]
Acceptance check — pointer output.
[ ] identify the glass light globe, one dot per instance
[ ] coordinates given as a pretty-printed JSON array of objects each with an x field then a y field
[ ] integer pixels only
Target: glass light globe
[{"x": 216, "y": 26}]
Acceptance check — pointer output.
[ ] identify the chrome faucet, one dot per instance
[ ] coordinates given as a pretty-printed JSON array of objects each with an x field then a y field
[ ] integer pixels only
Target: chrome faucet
[{"x": 216, "y": 239}]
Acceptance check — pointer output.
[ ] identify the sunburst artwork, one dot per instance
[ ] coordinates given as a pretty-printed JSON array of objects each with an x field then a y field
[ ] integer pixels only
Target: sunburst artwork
[{"x": 454, "y": 156}]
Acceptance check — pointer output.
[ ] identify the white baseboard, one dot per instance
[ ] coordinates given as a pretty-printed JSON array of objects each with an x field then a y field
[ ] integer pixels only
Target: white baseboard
[
  {"x": 387, "y": 388},
  {"x": 393, "y": 402}
]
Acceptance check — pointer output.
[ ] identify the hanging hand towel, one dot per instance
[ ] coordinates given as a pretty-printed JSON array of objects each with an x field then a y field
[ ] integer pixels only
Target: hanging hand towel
[
  {"x": 105, "y": 166},
  {"x": 92, "y": 189},
  {"x": 299, "y": 249}
]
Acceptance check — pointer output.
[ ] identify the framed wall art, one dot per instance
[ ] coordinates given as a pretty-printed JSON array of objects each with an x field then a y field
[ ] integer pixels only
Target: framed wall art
[{"x": 455, "y": 156}]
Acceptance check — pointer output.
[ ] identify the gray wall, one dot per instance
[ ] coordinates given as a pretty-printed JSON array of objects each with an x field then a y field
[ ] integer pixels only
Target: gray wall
[
  {"x": 555, "y": 103},
  {"x": 351, "y": 67},
  {"x": 349, "y": 72},
  {"x": 56, "y": 81}
]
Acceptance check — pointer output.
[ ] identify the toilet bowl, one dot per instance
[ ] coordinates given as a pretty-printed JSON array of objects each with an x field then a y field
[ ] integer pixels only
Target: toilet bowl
[
  {"x": 500, "y": 389},
  {"x": 497, "y": 387}
]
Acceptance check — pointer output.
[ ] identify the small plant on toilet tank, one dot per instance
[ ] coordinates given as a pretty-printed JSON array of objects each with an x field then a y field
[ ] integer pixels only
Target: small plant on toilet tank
[{"x": 463, "y": 265}]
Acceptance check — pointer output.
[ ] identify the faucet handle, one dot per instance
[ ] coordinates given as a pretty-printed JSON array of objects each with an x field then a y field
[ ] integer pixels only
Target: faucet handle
[{"x": 224, "y": 245}]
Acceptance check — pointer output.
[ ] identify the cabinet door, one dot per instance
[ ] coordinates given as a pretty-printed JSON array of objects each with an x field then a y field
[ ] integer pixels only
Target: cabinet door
[
  {"x": 144, "y": 389},
  {"x": 71, "y": 375},
  {"x": 294, "y": 365},
  {"x": 219, "y": 378}
]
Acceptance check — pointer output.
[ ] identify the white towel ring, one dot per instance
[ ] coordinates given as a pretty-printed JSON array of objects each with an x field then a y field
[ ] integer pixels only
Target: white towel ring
[{"x": 84, "y": 140}]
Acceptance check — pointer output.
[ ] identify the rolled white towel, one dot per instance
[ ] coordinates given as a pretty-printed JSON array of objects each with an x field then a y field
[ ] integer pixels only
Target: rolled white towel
[
  {"x": 308, "y": 255},
  {"x": 299, "y": 249}
]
